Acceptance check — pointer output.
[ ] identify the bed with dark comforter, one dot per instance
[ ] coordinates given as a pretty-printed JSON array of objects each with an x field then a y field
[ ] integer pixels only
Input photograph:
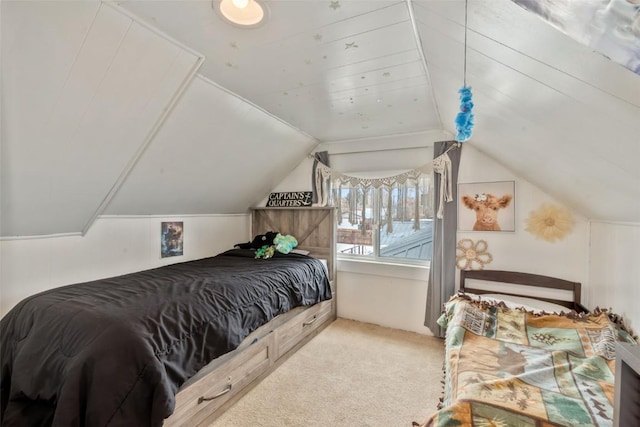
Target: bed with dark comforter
[{"x": 115, "y": 351}]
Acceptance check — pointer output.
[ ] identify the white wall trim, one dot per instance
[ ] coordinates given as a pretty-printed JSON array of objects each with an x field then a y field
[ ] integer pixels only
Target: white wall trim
[
  {"x": 172, "y": 216},
  {"x": 430, "y": 136},
  {"x": 623, "y": 223},
  {"x": 41, "y": 236},
  {"x": 78, "y": 234},
  {"x": 402, "y": 271},
  {"x": 416, "y": 36},
  {"x": 587, "y": 266}
]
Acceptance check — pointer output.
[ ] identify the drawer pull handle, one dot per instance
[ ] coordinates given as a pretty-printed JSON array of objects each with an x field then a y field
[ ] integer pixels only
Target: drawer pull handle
[
  {"x": 310, "y": 322},
  {"x": 222, "y": 393}
]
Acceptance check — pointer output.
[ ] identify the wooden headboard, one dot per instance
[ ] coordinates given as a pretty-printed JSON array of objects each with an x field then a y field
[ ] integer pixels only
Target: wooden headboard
[
  {"x": 527, "y": 279},
  {"x": 313, "y": 227}
]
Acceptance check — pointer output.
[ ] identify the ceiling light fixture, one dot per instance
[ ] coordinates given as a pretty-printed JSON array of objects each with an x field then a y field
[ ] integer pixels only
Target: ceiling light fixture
[{"x": 242, "y": 13}]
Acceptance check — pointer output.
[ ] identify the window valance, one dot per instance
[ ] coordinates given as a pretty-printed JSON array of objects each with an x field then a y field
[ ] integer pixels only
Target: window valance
[
  {"x": 387, "y": 181},
  {"x": 326, "y": 180}
]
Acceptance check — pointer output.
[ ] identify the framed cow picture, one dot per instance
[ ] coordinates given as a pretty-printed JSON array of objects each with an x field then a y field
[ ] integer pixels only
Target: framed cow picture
[{"x": 487, "y": 206}]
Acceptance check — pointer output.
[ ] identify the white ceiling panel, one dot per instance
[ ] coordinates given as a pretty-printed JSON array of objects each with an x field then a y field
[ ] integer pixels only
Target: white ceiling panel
[
  {"x": 307, "y": 55},
  {"x": 215, "y": 153},
  {"x": 42, "y": 20},
  {"x": 562, "y": 132},
  {"x": 60, "y": 164}
]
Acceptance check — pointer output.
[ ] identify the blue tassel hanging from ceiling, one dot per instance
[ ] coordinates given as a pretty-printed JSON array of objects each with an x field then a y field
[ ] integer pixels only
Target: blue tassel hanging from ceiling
[{"x": 464, "y": 119}]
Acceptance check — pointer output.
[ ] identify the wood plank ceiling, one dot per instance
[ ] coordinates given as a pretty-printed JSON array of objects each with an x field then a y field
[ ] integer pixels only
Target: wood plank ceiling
[
  {"x": 334, "y": 69},
  {"x": 547, "y": 106},
  {"x": 558, "y": 114}
]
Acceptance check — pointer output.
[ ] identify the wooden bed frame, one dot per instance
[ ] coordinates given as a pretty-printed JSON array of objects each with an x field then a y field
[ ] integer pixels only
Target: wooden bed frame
[
  {"x": 225, "y": 380},
  {"x": 527, "y": 279},
  {"x": 507, "y": 378}
]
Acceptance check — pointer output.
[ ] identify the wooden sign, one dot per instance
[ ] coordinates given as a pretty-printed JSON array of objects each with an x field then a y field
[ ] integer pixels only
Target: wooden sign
[{"x": 292, "y": 199}]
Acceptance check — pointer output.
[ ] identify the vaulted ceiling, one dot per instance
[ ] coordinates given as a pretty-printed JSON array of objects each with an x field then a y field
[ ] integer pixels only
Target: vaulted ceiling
[
  {"x": 149, "y": 107},
  {"x": 337, "y": 70}
]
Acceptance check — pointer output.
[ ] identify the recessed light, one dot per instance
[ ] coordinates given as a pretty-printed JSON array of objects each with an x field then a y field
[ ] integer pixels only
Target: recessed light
[{"x": 242, "y": 13}]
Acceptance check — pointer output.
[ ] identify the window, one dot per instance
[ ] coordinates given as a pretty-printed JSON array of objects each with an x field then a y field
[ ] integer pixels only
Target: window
[{"x": 391, "y": 222}]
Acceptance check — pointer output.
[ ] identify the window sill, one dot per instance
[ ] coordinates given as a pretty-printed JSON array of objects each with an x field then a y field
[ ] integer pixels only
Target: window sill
[{"x": 403, "y": 271}]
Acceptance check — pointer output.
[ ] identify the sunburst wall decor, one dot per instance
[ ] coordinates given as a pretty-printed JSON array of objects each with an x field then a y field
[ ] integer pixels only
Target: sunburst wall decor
[
  {"x": 472, "y": 255},
  {"x": 550, "y": 222}
]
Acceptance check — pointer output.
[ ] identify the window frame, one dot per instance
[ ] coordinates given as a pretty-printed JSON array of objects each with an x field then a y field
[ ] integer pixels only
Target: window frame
[{"x": 375, "y": 257}]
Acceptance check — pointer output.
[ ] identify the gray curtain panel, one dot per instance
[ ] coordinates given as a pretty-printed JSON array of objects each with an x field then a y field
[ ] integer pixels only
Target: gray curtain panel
[
  {"x": 322, "y": 157},
  {"x": 442, "y": 273}
]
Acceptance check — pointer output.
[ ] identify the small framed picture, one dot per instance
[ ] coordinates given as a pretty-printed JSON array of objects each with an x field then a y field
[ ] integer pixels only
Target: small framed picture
[
  {"x": 171, "y": 239},
  {"x": 486, "y": 206}
]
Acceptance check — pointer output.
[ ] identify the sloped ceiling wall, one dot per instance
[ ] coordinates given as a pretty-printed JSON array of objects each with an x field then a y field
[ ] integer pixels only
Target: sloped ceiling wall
[
  {"x": 87, "y": 90},
  {"x": 216, "y": 153},
  {"x": 84, "y": 86},
  {"x": 559, "y": 114}
]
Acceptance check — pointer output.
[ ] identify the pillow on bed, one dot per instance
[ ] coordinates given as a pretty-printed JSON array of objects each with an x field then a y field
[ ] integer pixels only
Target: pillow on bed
[
  {"x": 299, "y": 251},
  {"x": 529, "y": 304}
]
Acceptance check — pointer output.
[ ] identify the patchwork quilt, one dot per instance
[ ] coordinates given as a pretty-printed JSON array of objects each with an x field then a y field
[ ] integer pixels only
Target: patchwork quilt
[{"x": 510, "y": 367}]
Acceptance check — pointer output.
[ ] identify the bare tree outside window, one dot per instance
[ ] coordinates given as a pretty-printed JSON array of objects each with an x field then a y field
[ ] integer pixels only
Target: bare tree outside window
[{"x": 390, "y": 222}]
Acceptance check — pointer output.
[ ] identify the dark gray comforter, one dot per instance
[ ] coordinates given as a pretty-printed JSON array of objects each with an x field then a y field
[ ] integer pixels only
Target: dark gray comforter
[{"x": 114, "y": 352}]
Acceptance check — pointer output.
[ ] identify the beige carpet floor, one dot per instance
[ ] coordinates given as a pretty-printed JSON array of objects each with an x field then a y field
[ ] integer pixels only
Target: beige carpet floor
[{"x": 351, "y": 374}]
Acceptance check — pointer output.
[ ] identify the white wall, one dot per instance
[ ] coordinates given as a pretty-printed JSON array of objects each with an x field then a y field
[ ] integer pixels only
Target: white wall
[
  {"x": 387, "y": 295},
  {"x": 519, "y": 250},
  {"x": 113, "y": 246},
  {"x": 614, "y": 269},
  {"x": 395, "y": 296}
]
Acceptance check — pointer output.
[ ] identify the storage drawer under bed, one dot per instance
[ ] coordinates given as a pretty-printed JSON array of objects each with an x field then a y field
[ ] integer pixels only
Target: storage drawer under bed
[
  {"x": 200, "y": 400},
  {"x": 292, "y": 332},
  {"x": 197, "y": 403}
]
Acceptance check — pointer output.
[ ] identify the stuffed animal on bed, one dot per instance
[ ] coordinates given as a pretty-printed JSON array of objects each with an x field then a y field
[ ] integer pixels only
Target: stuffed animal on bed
[
  {"x": 259, "y": 241},
  {"x": 265, "y": 252},
  {"x": 285, "y": 243},
  {"x": 272, "y": 242}
]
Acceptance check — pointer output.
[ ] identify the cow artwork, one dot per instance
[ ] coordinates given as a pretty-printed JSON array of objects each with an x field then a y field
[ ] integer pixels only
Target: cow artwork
[{"x": 486, "y": 207}]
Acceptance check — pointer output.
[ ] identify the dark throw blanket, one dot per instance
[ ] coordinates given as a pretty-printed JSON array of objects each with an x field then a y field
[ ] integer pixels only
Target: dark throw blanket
[{"x": 114, "y": 352}]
